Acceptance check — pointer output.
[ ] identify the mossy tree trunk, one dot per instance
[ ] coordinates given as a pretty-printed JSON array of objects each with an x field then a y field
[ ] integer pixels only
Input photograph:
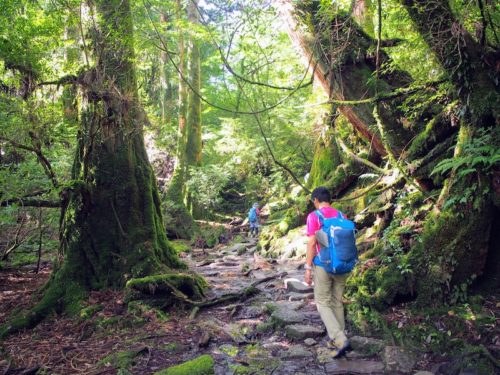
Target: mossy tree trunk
[
  {"x": 455, "y": 233},
  {"x": 456, "y": 239},
  {"x": 194, "y": 143},
  {"x": 181, "y": 223},
  {"x": 112, "y": 224},
  {"x": 165, "y": 82}
]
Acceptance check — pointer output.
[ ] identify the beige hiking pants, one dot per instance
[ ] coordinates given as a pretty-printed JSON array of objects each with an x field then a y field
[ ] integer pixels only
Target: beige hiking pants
[{"x": 328, "y": 290}]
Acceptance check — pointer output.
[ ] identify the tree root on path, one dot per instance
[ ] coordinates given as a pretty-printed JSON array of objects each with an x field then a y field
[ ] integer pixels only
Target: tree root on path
[{"x": 165, "y": 286}]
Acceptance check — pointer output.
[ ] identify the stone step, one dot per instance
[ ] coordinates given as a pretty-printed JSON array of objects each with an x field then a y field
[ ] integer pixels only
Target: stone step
[
  {"x": 297, "y": 286},
  {"x": 302, "y": 331},
  {"x": 344, "y": 366}
]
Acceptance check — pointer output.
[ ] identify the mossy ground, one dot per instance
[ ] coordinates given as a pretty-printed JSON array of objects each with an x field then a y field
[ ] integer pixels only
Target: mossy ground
[
  {"x": 123, "y": 360},
  {"x": 203, "y": 365}
]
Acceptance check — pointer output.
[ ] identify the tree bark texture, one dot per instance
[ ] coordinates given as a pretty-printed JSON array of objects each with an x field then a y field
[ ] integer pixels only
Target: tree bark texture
[
  {"x": 339, "y": 51},
  {"x": 194, "y": 145},
  {"x": 166, "y": 96},
  {"x": 474, "y": 76},
  {"x": 181, "y": 223}
]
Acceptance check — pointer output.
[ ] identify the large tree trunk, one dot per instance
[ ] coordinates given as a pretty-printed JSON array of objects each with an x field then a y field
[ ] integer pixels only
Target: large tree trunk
[
  {"x": 457, "y": 237},
  {"x": 112, "y": 225},
  {"x": 339, "y": 52},
  {"x": 450, "y": 235}
]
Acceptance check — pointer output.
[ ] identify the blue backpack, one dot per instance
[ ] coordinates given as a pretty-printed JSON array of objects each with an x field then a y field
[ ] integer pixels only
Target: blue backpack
[
  {"x": 252, "y": 215},
  {"x": 338, "y": 253}
]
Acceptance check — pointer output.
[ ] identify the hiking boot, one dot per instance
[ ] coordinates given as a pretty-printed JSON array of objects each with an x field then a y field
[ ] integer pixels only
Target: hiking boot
[
  {"x": 338, "y": 352},
  {"x": 331, "y": 344}
]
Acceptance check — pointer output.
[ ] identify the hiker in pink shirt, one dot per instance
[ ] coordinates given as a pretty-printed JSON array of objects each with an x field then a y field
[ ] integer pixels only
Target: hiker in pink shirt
[{"x": 328, "y": 288}]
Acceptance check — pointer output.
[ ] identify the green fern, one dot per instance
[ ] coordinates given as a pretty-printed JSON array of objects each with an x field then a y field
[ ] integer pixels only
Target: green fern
[{"x": 480, "y": 154}]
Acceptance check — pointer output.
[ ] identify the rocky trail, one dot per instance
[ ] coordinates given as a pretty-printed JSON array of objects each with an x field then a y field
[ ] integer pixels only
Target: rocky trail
[
  {"x": 278, "y": 330},
  {"x": 273, "y": 327}
]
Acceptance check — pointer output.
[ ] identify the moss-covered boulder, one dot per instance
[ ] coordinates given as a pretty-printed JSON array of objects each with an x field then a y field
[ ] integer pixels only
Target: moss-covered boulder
[
  {"x": 292, "y": 245},
  {"x": 202, "y": 365}
]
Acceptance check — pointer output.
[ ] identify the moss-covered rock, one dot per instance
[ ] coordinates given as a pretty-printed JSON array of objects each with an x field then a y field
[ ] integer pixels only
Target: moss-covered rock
[
  {"x": 180, "y": 246},
  {"x": 123, "y": 360},
  {"x": 89, "y": 311},
  {"x": 292, "y": 245},
  {"x": 202, "y": 365}
]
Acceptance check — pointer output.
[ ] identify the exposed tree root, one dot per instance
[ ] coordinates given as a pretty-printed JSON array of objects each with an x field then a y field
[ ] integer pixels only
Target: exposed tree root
[{"x": 189, "y": 292}]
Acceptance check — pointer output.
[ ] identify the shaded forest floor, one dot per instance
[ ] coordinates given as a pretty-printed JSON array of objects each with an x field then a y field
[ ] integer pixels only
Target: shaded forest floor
[{"x": 276, "y": 331}]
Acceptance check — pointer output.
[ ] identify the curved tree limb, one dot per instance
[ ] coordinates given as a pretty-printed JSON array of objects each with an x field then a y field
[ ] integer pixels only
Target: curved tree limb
[{"x": 47, "y": 167}]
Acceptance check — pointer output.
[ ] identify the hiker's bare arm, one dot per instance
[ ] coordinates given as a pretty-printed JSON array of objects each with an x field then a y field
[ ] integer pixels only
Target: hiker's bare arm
[
  {"x": 311, "y": 249},
  {"x": 311, "y": 252}
]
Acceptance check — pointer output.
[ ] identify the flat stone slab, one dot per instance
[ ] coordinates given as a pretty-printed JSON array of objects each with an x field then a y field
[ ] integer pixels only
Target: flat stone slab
[
  {"x": 310, "y": 342},
  {"x": 344, "y": 366},
  {"x": 297, "y": 286},
  {"x": 296, "y": 352},
  {"x": 205, "y": 262},
  {"x": 229, "y": 258},
  {"x": 284, "y": 316},
  {"x": 236, "y": 248},
  {"x": 228, "y": 264},
  {"x": 294, "y": 296},
  {"x": 251, "y": 312},
  {"x": 355, "y": 355},
  {"x": 302, "y": 331},
  {"x": 211, "y": 273},
  {"x": 291, "y": 305}
]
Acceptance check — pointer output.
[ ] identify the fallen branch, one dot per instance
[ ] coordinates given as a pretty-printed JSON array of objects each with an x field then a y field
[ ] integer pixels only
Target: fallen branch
[{"x": 31, "y": 203}]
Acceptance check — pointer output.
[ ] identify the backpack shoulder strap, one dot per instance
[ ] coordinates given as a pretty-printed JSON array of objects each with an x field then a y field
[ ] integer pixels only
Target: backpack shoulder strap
[{"x": 320, "y": 215}]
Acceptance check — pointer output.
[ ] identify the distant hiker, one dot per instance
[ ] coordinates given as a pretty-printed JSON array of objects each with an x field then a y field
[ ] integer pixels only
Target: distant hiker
[
  {"x": 329, "y": 283},
  {"x": 253, "y": 219}
]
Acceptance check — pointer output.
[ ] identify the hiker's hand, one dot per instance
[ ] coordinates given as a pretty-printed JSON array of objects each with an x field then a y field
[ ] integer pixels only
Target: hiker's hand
[{"x": 308, "y": 277}]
